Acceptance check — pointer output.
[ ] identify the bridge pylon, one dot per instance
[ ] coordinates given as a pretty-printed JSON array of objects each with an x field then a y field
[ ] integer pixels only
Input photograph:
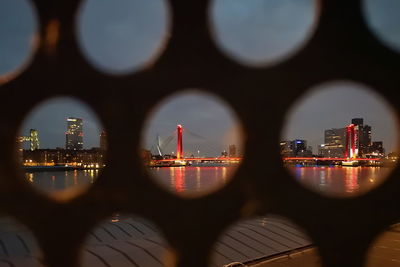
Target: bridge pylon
[{"x": 179, "y": 142}]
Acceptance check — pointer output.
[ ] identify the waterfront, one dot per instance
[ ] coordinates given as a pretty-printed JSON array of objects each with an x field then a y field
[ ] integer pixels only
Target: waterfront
[
  {"x": 192, "y": 180},
  {"x": 124, "y": 239},
  {"x": 54, "y": 181},
  {"x": 340, "y": 181}
]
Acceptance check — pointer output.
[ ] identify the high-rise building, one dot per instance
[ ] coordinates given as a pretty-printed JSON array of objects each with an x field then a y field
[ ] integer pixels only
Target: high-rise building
[
  {"x": 232, "y": 151},
  {"x": 34, "y": 139},
  {"x": 365, "y": 141},
  {"x": 295, "y": 148},
  {"x": 74, "y": 134},
  {"x": 286, "y": 149},
  {"x": 377, "y": 149},
  {"x": 335, "y": 136},
  {"x": 358, "y": 121},
  {"x": 335, "y": 142},
  {"x": 363, "y": 136},
  {"x": 300, "y": 148},
  {"x": 103, "y": 140}
]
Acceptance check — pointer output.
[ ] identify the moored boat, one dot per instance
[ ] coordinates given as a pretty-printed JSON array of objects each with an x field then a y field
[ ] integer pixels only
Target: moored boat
[{"x": 350, "y": 163}]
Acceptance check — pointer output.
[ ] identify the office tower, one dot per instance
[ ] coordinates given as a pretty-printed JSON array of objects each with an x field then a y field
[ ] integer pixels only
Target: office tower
[
  {"x": 232, "y": 151},
  {"x": 363, "y": 136},
  {"x": 103, "y": 140},
  {"x": 300, "y": 148},
  {"x": 335, "y": 136},
  {"x": 286, "y": 149},
  {"x": 74, "y": 134},
  {"x": 365, "y": 141},
  {"x": 335, "y": 142},
  {"x": 34, "y": 139},
  {"x": 358, "y": 121},
  {"x": 377, "y": 149}
]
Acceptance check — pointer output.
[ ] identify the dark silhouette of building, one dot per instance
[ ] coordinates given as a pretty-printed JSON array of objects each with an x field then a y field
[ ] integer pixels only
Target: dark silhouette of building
[
  {"x": 364, "y": 136},
  {"x": 286, "y": 149},
  {"x": 300, "y": 148},
  {"x": 357, "y": 121},
  {"x": 232, "y": 151},
  {"x": 377, "y": 149},
  {"x": 146, "y": 156},
  {"x": 295, "y": 148},
  {"x": 103, "y": 140},
  {"x": 74, "y": 134}
]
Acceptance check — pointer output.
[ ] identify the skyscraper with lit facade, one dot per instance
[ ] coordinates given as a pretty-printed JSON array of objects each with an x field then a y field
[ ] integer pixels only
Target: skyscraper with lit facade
[
  {"x": 34, "y": 139},
  {"x": 74, "y": 134}
]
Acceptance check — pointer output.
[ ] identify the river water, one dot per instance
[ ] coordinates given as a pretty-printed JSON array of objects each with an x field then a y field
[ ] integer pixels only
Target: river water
[
  {"x": 342, "y": 181},
  {"x": 337, "y": 181}
]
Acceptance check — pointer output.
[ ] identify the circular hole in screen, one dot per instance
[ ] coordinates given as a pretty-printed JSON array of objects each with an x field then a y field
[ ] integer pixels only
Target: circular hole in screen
[
  {"x": 18, "y": 31},
  {"x": 383, "y": 19},
  {"x": 261, "y": 241},
  {"x": 262, "y": 32},
  {"x": 119, "y": 37},
  {"x": 340, "y": 139},
  {"x": 192, "y": 143},
  {"x": 125, "y": 240},
  {"x": 61, "y": 147}
]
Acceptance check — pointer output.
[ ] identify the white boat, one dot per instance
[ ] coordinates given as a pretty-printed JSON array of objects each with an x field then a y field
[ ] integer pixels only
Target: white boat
[{"x": 350, "y": 163}]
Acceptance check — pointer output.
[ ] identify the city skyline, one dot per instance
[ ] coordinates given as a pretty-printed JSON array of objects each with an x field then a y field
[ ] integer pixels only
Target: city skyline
[
  {"x": 208, "y": 124},
  {"x": 259, "y": 19},
  {"x": 50, "y": 120},
  {"x": 333, "y": 105}
]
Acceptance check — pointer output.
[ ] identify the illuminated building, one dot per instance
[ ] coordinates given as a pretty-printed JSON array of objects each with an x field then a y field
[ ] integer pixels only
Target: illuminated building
[
  {"x": 300, "y": 148},
  {"x": 52, "y": 157},
  {"x": 34, "y": 139},
  {"x": 352, "y": 141},
  {"x": 377, "y": 149},
  {"x": 74, "y": 134},
  {"x": 295, "y": 148},
  {"x": 286, "y": 149},
  {"x": 364, "y": 136},
  {"x": 335, "y": 141}
]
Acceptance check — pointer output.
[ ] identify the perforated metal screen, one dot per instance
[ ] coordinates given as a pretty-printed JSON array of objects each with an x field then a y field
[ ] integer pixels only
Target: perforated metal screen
[{"x": 342, "y": 47}]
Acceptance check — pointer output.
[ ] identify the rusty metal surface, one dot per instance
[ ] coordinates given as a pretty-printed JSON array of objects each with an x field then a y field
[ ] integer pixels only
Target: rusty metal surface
[{"x": 341, "y": 48}]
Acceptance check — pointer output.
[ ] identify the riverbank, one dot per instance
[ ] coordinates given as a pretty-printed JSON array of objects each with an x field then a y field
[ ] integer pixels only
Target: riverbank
[{"x": 56, "y": 168}]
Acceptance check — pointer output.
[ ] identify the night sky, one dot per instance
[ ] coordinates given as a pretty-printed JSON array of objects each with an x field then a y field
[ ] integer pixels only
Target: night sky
[{"x": 123, "y": 35}]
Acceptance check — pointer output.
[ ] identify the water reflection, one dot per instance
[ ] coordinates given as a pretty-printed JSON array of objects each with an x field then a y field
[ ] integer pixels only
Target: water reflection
[
  {"x": 55, "y": 181},
  {"x": 340, "y": 181},
  {"x": 179, "y": 179},
  {"x": 352, "y": 181},
  {"x": 189, "y": 180}
]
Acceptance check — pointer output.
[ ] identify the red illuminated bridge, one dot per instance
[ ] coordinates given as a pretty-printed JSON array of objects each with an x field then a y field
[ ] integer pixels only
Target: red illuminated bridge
[{"x": 180, "y": 159}]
